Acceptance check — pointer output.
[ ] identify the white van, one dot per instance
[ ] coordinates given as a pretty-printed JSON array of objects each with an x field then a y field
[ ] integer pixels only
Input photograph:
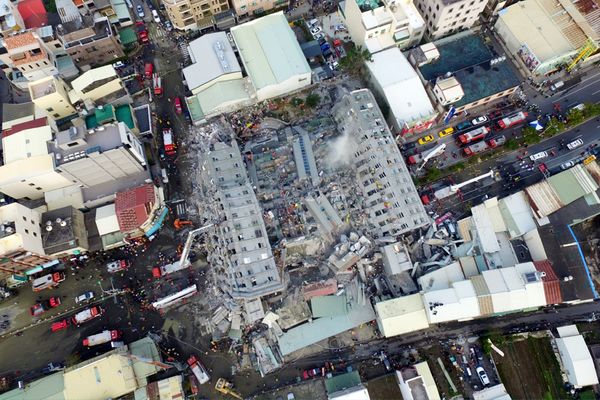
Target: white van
[
  {"x": 155, "y": 16},
  {"x": 165, "y": 177},
  {"x": 538, "y": 156}
]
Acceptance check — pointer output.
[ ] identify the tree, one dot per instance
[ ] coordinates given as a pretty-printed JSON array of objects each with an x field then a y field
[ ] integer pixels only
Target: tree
[
  {"x": 355, "y": 59},
  {"x": 512, "y": 144},
  {"x": 297, "y": 101},
  {"x": 433, "y": 174},
  {"x": 313, "y": 100}
]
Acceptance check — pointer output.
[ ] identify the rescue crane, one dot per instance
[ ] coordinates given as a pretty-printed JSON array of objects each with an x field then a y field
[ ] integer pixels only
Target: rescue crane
[
  {"x": 179, "y": 223},
  {"x": 452, "y": 189},
  {"x": 436, "y": 151}
]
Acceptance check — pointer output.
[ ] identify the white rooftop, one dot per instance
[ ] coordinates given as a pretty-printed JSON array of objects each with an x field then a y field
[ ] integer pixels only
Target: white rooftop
[
  {"x": 212, "y": 56},
  {"x": 397, "y": 78},
  {"x": 576, "y": 357}
]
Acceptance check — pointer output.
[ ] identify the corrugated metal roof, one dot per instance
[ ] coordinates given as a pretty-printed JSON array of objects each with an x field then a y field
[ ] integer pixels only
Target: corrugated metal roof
[
  {"x": 572, "y": 184},
  {"x": 464, "y": 228},
  {"x": 486, "y": 305},
  {"x": 328, "y": 306},
  {"x": 469, "y": 266},
  {"x": 480, "y": 286},
  {"x": 551, "y": 282},
  {"x": 516, "y": 213},
  {"x": 485, "y": 229},
  {"x": 543, "y": 198}
]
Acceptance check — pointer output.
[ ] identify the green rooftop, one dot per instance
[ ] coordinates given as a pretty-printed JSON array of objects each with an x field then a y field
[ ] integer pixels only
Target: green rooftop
[
  {"x": 194, "y": 108},
  {"x": 368, "y": 5},
  {"x": 457, "y": 52},
  {"x": 108, "y": 113},
  {"x": 328, "y": 306},
  {"x": 127, "y": 36},
  {"x": 485, "y": 80},
  {"x": 341, "y": 382}
]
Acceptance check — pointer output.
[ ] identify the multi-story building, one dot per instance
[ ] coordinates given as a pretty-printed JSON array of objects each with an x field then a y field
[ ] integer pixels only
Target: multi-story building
[
  {"x": 35, "y": 54},
  {"x": 90, "y": 41},
  {"x": 242, "y": 258},
  {"x": 10, "y": 18},
  {"x": 389, "y": 194},
  {"x": 194, "y": 14},
  {"x": 99, "y": 86},
  {"x": 249, "y": 8},
  {"x": 99, "y": 162},
  {"x": 380, "y": 24},
  {"x": 52, "y": 95},
  {"x": 444, "y": 17}
]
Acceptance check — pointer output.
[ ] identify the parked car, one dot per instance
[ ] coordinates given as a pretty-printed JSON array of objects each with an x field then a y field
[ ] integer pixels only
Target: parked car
[
  {"x": 482, "y": 376},
  {"x": 479, "y": 120},
  {"x": 313, "y": 22},
  {"x": 315, "y": 29},
  {"x": 567, "y": 165},
  {"x": 168, "y": 25},
  {"x": 309, "y": 373},
  {"x": 426, "y": 139},
  {"x": 60, "y": 325},
  {"x": 118, "y": 64},
  {"x": 37, "y": 309},
  {"x": 116, "y": 266},
  {"x": 574, "y": 144},
  {"x": 177, "y": 103},
  {"x": 140, "y": 11},
  {"x": 446, "y": 132},
  {"x": 156, "y": 16},
  {"x": 463, "y": 125},
  {"x": 84, "y": 297},
  {"x": 538, "y": 156},
  {"x": 319, "y": 36}
]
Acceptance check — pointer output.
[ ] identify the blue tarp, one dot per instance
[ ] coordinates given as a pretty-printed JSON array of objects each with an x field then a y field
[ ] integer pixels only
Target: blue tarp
[{"x": 158, "y": 223}]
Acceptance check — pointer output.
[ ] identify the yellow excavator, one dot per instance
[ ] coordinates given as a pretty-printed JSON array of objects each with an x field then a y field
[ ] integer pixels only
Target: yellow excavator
[{"x": 226, "y": 387}]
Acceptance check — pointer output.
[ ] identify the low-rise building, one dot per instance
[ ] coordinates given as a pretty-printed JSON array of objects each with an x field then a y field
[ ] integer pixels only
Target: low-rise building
[
  {"x": 140, "y": 211},
  {"x": 28, "y": 54},
  {"x": 454, "y": 68},
  {"x": 564, "y": 32},
  {"x": 393, "y": 77},
  {"x": 194, "y": 14},
  {"x": 380, "y": 24},
  {"x": 20, "y": 231},
  {"x": 90, "y": 41},
  {"x": 64, "y": 232},
  {"x": 416, "y": 382},
  {"x": 10, "y": 18},
  {"x": 271, "y": 56},
  {"x": 576, "y": 359},
  {"x": 391, "y": 202},
  {"x": 345, "y": 387},
  {"x": 51, "y": 94},
  {"x": 401, "y": 315},
  {"x": 445, "y": 17}
]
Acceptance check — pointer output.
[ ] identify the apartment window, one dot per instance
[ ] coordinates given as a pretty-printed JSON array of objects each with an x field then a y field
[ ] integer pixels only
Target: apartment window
[
  {"x": 437, "y": 7},
  {"x": 56, "y": 115},
  {"x": 49, "y": 109},
  {"x": 35, "y": 234},
  {"x": 32, "y": 222},
  {"x": 24, "y": 219},
  {"x": 27, "y": 231},
  {"x": 38, "y": 188},
  {"x": 31, "y": 184},
  {"x": 461, "y": 7},
  {"x": 72, "y": 144}
]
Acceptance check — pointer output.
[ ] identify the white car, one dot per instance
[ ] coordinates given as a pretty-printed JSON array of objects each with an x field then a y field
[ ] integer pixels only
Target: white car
[
  {"x": 140, "y": 11},
  {"x": 313, "y": 22},
  {"x": 315, "y": 29},
  {"x": 118, "y": 64},
  {"x": 482, "y": 376},
  {"x": 479, "y": 120},
  {"x": 319, "y": 36},
  {"x": 574, "y": 144},
  {"x": 84, "y": 297},
  {"x": 567, "y": 165},
  {"x": 155, "y": 16}
]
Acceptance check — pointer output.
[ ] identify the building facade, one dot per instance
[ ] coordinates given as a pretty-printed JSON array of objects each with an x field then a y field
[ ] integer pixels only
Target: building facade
[
  {"x": 90, "y": 41},
  {"x": 249, "y": 8},
  {"x": 242, "y": 254},
  {"x": 445, "y": 17},
  {"x": 99, "y": 85},
  {"x": 194, "y": 14},
  {"x": 389, "y": 194},
  {"x": 378, "y": 25}
]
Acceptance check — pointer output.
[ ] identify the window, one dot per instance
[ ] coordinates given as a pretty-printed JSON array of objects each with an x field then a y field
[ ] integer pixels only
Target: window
[
  {"x": 31, "y": 184},
  {"x": 72, "y": 144},
  {"x": 38, "y": 188},
  {"x": 35, "y": 234},
  {"x": 27, "y": 231},
  {"x": 24, "y": 219},
  {"x": 49, "y": 109},
  {"x": 56, "y": 115}
]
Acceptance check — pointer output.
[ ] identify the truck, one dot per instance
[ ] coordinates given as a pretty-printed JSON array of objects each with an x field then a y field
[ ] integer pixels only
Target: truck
[
  {"x": 142, "y": 32},
  {"x": 496, "y": 141},
  {"x": 478, "y": 147},
  {"x": 48, "y": 281},
  {"x": 157, "y": 272},
  {"x": 415, "y": 159},
  {"x": 102, "y": 337},
  {"x": 157, "y": 84},
  {"x": 168, "y": 142},
  {"x": 198, "y": 369},
  {"x": 87, "y": 315},
  {"x": 512, "y": 120},
  {"x": 473, "y": 135},
  {"x": 148, "y": 70}
]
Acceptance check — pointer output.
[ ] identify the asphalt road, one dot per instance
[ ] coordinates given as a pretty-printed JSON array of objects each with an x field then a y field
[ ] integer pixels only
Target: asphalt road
[{"x": 516, "y": 169}]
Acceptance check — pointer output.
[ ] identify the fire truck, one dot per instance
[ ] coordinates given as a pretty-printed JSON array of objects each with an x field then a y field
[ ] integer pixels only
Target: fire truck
[
  {"x": 473, "y": 135},
  {"x": 512, "y": 120}
]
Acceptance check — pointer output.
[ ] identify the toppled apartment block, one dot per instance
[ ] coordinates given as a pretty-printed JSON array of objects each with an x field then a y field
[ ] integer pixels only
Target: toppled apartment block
[
  {"x": 242, "y": 258},
  {"x": 388, "y": 193},
  {"x": 327, "y": 218}
]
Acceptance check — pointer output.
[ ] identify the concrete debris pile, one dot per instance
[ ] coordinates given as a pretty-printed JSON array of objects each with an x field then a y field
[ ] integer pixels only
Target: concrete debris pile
[{"x": 348, "y": 253}]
